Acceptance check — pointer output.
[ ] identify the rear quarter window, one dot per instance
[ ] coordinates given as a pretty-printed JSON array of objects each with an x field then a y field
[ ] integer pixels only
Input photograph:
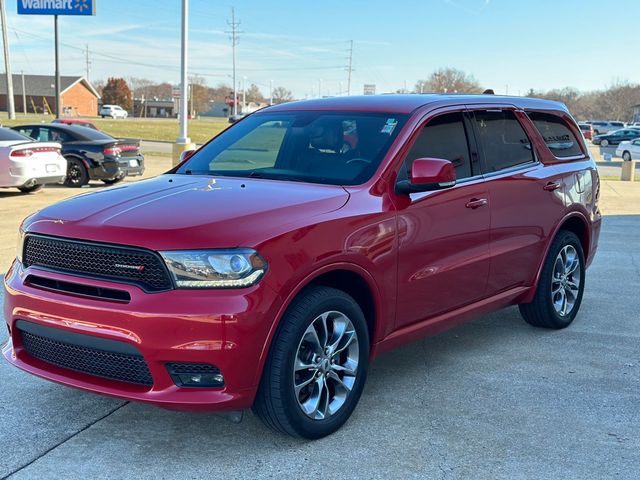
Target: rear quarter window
[{"x": 556, "y": 134}]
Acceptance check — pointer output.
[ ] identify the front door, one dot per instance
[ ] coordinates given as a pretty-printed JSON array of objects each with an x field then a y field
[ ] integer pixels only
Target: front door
[{"x": 443, "y": 253}]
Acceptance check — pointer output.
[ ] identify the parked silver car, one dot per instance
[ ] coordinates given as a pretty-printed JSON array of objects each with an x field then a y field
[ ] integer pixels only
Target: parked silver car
[{"x": 600, "y": 127}]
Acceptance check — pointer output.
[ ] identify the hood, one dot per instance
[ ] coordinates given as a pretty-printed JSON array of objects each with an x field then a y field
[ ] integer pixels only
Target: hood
[{"x": 184, "y": 211}]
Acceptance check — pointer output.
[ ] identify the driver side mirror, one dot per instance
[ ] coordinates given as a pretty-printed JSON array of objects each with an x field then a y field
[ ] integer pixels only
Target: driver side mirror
[
  {"x": 428, "y": 174},
  {"x": 186, "y": 155}
]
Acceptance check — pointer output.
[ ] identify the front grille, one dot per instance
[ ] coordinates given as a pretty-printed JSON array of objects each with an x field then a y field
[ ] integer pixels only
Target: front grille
[
  {"x": 77, "y": 353},
  {"x": 111, "y": 262}
]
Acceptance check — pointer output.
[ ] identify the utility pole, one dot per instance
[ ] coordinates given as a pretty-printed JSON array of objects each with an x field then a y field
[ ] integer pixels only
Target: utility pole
[
  {"x": 350, "y": 67},
  {"x": 319, "y": 88},
  {"x": 270, "y": 92},
  {"x": 87, "y": 61},
  {"x": 234, "y": 41},
  {"x": 7, "y": 64},
  {"x": 24, "y": 94}
]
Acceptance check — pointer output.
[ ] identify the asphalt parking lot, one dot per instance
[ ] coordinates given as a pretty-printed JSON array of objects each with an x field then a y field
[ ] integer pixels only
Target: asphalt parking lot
[{"x": 491, "y": 399}]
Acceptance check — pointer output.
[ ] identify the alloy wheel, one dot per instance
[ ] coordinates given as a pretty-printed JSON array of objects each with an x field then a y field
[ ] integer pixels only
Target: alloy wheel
[
  {"x": 326, "y": 365},
  {"x": 565, "y": 284}
]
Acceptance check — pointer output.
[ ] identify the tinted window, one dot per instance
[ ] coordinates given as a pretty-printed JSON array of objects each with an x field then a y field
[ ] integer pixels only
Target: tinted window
[
  {"x": 443, "y": 137},
  {"x": 7, "y": 134},
  {"x": 340, "y": 148},
  {"x": 504, "y": 142},
  {"x": 556, "y": 134},
  {"x": 46, "y": 134}
]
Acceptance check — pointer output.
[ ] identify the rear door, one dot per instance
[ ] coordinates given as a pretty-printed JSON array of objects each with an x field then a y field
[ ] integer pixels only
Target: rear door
[
  {"x": 443, "y": 254},
  {"x": 526, "y": 198}
]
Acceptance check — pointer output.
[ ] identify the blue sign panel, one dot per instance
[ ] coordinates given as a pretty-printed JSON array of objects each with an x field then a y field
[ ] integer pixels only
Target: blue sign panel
[{"x": 57, "y": 7}]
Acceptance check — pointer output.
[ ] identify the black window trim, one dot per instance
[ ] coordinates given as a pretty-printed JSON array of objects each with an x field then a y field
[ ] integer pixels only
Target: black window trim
[
  {"x": 485, "y": 173},
  {"x": 474, "y": 155}
]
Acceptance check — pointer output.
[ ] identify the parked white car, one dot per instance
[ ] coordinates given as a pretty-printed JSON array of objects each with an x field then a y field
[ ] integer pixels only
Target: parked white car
[
  {"x": 113, "y": 111},
  {"x": 629, "y": 150},
  {"x": 28, "y": 165}
]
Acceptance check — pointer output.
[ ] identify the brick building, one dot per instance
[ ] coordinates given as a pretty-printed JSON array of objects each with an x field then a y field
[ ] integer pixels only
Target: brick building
[{"x": 77, "y": 95}]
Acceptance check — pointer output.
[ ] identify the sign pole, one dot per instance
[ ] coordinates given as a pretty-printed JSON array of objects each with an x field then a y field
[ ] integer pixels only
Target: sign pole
[{"x": 55, "y": 27}]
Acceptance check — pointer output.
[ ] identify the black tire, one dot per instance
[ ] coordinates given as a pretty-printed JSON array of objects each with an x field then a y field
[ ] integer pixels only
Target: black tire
[
  {"x": 276, "y": 403},
  {"x": 32, "y": 189},
  {"x": 113, "y": 181},
  {"x": 604, "y": 143},
  {"x": 626, "y": 156},
  {"x": 77, "y": 174},
  {"x": 541, "y": 312}
]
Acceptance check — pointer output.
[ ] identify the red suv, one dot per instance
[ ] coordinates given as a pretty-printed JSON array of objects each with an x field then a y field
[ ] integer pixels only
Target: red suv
[{"x": 272, "y": 266}]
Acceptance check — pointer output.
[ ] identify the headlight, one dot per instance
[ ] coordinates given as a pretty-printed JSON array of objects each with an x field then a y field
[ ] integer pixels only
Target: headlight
[
  {"x": 234, "y": 268},
  {"x": 20, "y": 244}
]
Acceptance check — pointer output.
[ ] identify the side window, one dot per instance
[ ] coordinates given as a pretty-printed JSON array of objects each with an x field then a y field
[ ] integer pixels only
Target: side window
[
  {"x": 556, "y": 134},
  {"x": 504, "y": 142},
  {"x": 443, "y": 137},
  {"x": 53, "y": 135},
  {"x": 29, "y": 132}
]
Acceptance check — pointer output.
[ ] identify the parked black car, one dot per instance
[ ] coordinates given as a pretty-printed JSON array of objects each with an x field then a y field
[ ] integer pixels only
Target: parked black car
[
  {"x": 91, "y": 155},
  {"x": 615, "y": 137}
]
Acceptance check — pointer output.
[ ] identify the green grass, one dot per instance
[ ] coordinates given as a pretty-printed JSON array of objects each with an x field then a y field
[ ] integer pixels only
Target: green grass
[{"x": 159, "y": 129}]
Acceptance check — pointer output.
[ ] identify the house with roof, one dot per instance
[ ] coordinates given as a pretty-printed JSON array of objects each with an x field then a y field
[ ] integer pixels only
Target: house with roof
[{"x": 77, "y": 96}]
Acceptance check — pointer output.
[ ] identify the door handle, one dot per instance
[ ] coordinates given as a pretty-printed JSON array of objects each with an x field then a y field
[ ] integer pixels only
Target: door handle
[
  {"x": 551, "y": 186},
  {"x": 476, "y": 202}
]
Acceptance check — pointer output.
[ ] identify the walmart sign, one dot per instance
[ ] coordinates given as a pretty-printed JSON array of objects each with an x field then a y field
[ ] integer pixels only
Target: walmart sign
[{"x": 57, "y": 7}]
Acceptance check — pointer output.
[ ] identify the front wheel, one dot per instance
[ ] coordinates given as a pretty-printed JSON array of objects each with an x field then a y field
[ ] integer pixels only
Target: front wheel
[
  {"x": 604, "y": 143},
  {"x": 560, "y": 286},
  {"x": 626, "y": 156},
  {"x": 317, "y": 365}
]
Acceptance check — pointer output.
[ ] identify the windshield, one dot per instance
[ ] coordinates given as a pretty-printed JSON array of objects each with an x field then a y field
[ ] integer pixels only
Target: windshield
[{"x": 339, "y": 148}]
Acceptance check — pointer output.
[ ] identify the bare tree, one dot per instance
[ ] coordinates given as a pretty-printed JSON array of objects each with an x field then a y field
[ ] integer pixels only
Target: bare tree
[
  {"x": 449, "y": 80},
  {"x": 254, "y": 94},
  {"x": 616, "y": 102},
  {"x": 282, "y": 95}
]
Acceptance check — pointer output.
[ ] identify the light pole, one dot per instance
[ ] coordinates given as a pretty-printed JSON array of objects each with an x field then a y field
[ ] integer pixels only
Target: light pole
[
  {"x": 183, "y": 142},
  {"x": 244, "y": 94},
  {"x": 7, "y": 64}
]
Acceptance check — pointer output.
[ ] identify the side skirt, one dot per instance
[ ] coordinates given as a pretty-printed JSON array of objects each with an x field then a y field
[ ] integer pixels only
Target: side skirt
[{"x": 445, "y": 321}]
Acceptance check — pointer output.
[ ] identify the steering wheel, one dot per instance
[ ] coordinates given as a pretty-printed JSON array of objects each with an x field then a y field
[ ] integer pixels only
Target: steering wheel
[{"x": 358, "y": 159}]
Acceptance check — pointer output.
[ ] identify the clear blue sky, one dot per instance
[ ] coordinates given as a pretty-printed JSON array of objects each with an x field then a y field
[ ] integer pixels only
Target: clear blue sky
[{"x": 540, "y": 44}]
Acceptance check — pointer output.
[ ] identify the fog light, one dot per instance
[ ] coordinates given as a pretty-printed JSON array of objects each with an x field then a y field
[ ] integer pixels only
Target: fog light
[{"x": 195, "y": 375}]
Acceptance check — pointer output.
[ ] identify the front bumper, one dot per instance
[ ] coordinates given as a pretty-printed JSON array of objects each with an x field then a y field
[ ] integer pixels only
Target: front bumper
[{"x": 225, "y": 328}]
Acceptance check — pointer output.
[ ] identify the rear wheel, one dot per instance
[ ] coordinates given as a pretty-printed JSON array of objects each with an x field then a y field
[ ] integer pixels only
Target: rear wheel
[
  {"x": 626, "y": 156},
  {"x": 77, "y": 174},
  {"x": 317, "y": 366},
  {"x": 31, "y": 189},
  {"x": 561, "y": 285}
]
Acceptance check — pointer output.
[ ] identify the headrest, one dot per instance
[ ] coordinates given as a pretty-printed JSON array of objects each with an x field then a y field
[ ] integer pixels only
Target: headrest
[{"x": 327, "y": 136}]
